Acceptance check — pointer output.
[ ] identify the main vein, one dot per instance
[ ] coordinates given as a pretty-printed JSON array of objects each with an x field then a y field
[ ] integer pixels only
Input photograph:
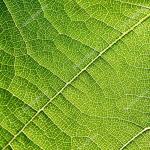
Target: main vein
[{"x": 88, "y": 65}]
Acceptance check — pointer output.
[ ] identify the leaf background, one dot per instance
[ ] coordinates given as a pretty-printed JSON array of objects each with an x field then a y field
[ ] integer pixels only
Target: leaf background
[{"x": 75, "y": 74}]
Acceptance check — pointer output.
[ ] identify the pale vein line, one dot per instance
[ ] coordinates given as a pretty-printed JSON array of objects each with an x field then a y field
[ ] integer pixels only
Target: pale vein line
[
  {"x": 133, "y": 138},
  {"x": 99, "y": 55}
]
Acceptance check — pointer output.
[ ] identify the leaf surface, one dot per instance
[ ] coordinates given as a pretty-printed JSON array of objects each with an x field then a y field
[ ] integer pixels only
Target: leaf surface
[{"x": 75, "y": 74}]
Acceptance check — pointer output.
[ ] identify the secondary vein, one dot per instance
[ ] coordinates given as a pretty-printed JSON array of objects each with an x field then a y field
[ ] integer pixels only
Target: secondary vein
[{"x": 133, "y": 138}]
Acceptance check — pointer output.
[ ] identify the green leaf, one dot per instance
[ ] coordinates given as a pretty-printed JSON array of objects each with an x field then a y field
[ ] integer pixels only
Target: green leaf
[{"x": 75, "y": 74}]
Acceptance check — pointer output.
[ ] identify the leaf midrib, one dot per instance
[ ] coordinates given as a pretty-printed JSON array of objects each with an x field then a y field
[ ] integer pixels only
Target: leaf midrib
[{"x": 87, "y": 66}]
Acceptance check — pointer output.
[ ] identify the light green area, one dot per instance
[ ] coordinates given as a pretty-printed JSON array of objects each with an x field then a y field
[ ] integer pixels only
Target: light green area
[{"x": 75, "y": 74}]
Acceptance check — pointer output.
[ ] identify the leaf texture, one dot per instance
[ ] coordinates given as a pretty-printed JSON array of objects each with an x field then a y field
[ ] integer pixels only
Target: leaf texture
[{"x": 75, "y": 74}]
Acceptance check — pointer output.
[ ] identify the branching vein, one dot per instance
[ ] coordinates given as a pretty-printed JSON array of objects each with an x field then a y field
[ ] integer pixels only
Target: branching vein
[{"x": 87, "y": 66}]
